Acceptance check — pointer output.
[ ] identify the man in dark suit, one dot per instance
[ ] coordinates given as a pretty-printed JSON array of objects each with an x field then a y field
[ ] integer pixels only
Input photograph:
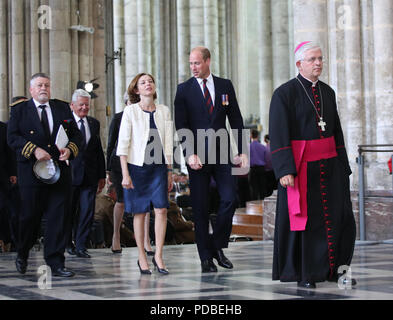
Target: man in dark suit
[
  {"x": 32, "y": 131},
  {"x": 202, "y": 103},
  {"x": 88, "y": 174},
  {"x": 115, "y": 177},
  {"x": 7, "y": 180}
]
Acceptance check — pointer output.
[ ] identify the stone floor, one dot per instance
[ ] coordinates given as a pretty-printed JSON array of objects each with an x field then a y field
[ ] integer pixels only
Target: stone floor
[{"x": 116, "y": 277}]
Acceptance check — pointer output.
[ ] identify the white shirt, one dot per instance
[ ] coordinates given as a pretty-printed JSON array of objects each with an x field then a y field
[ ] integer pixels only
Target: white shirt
[
  {"x": 209, "y": 85},
  {"x": 87, "y": 128},
  {"x": 48, "y": 112}
]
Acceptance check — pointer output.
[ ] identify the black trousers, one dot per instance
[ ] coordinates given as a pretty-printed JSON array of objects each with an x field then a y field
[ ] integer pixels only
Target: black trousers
[
  {"x": 44, "y": 202},
  {"x": 199, "y": 187},
  {"x": 257, "y": 182},
  {"x": 81, "y": 215}
]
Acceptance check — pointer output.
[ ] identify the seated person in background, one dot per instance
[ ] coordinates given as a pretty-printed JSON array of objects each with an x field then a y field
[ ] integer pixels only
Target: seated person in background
[
  {"x": 184, "y": 230},
  {"x": 104, "y": 213}
]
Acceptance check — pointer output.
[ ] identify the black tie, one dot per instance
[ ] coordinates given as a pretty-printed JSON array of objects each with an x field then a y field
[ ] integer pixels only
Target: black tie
[
  {"x": 44, "y": 121},
  {"x": 83, "y": 130}
]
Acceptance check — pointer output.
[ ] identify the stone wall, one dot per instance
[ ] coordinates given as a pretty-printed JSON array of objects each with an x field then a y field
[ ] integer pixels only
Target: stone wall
[{"x": 378, "y": 216}]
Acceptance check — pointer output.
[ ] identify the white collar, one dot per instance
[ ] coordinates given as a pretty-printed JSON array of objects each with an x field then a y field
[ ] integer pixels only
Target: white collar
[
  {"x": 209, "y": 79},
  {"x": 313, "y": 82},
  {"x": 77, "y": 118},
  {"x": 37, "y": 104}
]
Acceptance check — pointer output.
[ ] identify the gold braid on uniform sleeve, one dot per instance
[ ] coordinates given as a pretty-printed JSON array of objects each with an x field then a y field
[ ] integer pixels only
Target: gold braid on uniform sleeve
[
  {"x": 74, "y": 148},
  {"x": 28, "y": 149}
]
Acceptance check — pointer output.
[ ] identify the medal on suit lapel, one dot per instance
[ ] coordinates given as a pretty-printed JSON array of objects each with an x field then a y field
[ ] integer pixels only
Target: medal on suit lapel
[{"x": 224, "y": 100}]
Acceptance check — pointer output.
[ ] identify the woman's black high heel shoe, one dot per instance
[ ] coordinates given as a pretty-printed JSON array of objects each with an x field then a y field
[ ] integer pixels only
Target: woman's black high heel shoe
[
  {"x": 163, "y": 270},
  {"x": 117, "y": 251},
  {"x": 146, "y": 271}
]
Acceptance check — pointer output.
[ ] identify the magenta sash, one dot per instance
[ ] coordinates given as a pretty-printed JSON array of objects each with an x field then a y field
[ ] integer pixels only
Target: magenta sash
[{"x": 303, "y": 152}]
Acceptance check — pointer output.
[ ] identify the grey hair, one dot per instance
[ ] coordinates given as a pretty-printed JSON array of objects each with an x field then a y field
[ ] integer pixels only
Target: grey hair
[
  {"x": 299, "y": 54},
  {"x": 80, "y": 93},
  {"x": 38, "y": 75}
]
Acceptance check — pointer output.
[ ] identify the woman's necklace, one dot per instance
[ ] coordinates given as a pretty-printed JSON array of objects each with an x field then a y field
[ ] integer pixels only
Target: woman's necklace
[{"x": 321, "y": 123}]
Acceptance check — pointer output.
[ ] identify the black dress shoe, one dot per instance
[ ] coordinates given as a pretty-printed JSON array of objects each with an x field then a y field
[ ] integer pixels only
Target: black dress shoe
[
  {"x": 82, "y": 254},
  {"x": 21, "y": 265},
  {"x": 222, "y": 260},
  {"x": 62, "y": 272},
  {"x": 208, "y": 266},
  {"x": 71, "y": 251},
  {"x": 306, "y": 284}
]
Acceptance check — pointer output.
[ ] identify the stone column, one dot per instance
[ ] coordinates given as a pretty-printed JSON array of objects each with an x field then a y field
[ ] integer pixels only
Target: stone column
[
  {"x": 144, "y": 27},
  {"x": 353, "y": 120},
  {"x": 4, "y": 101},
  {"x": 131, "y": 40},
  {"x": 74, "y": 48},
  {"x": 265, "y": 61},
  {"x": 98, "y": 22},
  {"x": 60, "y": 43},
  {"x": 210, "y": 18},
  {"x": 345, "y": 72},
  {"x": 44, "y": 44},
  {"x": 34, "y": 38},
  {"x": 368, "y": 85},
  {"x": 17, "y": 49},
  {"x": 280, "y": 39},
  {"x": 119, "y": 42},
  {"x": 85, "y": 41},
  {"x": 383, "y": 55},
  {"x": 196, "y": 23},
  {"x": 310, "y": 23},
  {"x": 223, "y": 40},
  {"x": 183, "y": 39}
]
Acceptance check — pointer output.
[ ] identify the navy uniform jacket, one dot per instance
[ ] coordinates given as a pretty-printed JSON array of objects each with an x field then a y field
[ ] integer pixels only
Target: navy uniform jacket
[
  {"x": 25, "y": 133},
  {"x": 89, "y": 166},
  {"x": 112, "y": 160},
  {"x": 191, "y": 111}
]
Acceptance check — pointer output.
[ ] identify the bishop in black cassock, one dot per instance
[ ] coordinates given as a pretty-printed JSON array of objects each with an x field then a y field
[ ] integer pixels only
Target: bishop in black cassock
[{"x": 315, "y": 227}]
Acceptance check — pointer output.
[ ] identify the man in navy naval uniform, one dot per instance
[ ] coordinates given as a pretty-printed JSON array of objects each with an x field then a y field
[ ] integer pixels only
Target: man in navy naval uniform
[
  {"x": 88, "y": 174},
  {"x": 31, "y": 133},
  {"x": 205, "y": 102}
]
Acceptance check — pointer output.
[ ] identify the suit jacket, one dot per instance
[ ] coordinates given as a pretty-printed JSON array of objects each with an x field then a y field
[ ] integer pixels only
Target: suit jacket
[
  {"x": 191, "y": 112},
  {"x": 89, "y": 166},
  {"x": 7, "y": 158},
  {"x": 112, "y": 160},
  {"x": 25, "y": 133}
]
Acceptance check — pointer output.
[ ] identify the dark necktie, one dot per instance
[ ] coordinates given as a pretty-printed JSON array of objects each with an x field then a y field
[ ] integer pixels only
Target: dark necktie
[
  {"x": 83, "y": 130},
  {"x": 208, "y": 98},
  {"x": 44, "y": 121}
]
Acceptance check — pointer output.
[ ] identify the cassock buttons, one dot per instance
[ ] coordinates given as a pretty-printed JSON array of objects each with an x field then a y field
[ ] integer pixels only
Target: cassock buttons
[
  {"x": 49, "y": 145},
  {"x": 31, "y": 132}
]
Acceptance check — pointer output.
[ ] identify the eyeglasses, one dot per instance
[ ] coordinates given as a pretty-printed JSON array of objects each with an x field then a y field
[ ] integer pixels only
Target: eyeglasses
[{"x": 313, "y": 59}]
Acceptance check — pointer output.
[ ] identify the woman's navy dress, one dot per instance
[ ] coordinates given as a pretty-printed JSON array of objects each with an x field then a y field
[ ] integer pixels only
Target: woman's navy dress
[{"x": 151, "y": 180}]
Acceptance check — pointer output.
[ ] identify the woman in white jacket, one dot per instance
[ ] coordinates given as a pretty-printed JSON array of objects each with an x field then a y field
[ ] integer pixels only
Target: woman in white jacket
[{"x": 145, "y": 147}]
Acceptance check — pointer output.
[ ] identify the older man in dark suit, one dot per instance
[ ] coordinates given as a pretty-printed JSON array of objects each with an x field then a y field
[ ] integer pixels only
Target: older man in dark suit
[
  {"x": 202, "y": 105},
  {"x": 88, "y": 174},
  {"x": 32, "y": 131}
]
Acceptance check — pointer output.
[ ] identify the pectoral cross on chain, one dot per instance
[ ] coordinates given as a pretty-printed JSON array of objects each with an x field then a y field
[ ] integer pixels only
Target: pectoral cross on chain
[{"x": 322, "y": 124}]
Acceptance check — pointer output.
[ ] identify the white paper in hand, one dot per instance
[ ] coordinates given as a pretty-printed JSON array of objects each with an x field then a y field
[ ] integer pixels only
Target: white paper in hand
[{"x": 61, "y": 138}]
